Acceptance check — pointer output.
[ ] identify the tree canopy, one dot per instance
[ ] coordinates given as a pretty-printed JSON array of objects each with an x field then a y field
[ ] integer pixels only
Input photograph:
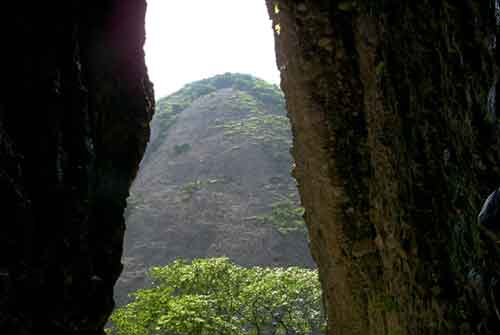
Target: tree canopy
[{"x": 215, "y": 296}]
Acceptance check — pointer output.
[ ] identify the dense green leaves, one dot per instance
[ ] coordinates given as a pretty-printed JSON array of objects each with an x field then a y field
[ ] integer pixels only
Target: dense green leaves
[{"x": 215, "y": 296}]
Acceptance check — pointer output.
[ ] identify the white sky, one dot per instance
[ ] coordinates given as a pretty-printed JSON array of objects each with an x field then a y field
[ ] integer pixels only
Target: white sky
[{"x": 188, "y": 40}]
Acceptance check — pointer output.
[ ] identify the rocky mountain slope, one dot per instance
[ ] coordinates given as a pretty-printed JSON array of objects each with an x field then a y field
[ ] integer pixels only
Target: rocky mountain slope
[{"x": 216, "y": 181}]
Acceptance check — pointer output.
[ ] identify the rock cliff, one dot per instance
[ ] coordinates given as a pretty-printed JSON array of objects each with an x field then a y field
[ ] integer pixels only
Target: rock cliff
[
  {"x": 215, "y": 182},
  {"x": 392, "y": 105},
  {"x": 75, "y": 103}
]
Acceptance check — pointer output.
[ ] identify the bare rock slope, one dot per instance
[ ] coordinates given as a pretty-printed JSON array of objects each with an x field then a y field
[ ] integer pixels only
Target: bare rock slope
[{"x": 216, "y": 181}]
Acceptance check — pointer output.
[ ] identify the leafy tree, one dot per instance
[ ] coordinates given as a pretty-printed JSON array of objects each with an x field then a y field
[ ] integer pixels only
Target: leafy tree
[{"x": 215, "y": 296}]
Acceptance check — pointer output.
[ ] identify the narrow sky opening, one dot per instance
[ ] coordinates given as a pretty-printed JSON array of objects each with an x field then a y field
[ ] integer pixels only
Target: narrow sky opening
[{"x": 188, "y": 40}]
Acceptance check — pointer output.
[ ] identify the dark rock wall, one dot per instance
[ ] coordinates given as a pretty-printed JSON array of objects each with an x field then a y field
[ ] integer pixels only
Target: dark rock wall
[
  {"x": 392, "y": 105},
  {"x": 75, "y": 103}
]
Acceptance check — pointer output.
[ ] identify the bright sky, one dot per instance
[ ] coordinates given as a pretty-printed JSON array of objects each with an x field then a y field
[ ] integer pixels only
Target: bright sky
[{"x": 188, "y": 40}]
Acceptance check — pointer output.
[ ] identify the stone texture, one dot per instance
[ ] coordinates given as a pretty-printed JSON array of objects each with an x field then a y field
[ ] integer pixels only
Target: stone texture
[
  {"x": 396, "y": 146},
  {"x": 75, "y": 103},
  {"x": 396, "y": 141},
  {"x": 210, "y": 200}
]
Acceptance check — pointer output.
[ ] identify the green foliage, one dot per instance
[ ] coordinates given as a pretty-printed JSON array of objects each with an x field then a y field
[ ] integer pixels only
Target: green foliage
[
  {"x": 252, "y": 91},
  {"x": 261, "y": 90},
  {"x": 266, "y": 128},
  {"x": 215, "y": 296},
  {"x": 286, "y": 216},
  {"x": 270, "y": 130},
  {"x": 245, "y": 102},
  {"x": 264, "y": 92}
]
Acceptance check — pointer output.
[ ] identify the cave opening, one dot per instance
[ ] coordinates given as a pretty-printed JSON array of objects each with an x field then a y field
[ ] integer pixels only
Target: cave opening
[{"x": 214, "y": 190}]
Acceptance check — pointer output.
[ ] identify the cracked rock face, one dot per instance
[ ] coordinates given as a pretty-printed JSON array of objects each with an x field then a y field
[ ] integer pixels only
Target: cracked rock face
[
  {"x": 396, "y": 150},
  {"x": 75, "y": 103}
]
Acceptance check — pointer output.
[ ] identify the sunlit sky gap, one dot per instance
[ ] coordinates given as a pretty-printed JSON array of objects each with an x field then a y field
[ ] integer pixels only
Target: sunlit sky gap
[{"x": 188, "y": 40}]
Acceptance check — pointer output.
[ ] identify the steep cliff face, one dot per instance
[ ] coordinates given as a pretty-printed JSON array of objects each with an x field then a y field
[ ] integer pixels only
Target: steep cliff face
[
  {"x": 215, "y": 182},
  {"x": 396, "y": 145},
  {"x": 75, "y": 103}
]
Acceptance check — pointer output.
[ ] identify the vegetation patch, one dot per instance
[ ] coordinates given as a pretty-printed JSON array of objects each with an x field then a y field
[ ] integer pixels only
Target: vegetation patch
[
  {"x": 251, "y": 89},
  {"x": 271, "y": 131},
  {"x": 243, "y": 101},
  {"x": 215, "y": 296},
  {"x": 252, "y": 93},
  {"x": 286, "y": 215}
]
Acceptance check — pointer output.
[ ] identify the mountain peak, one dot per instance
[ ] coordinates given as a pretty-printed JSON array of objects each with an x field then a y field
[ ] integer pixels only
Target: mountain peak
[{"x": 216, "y": 181}]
